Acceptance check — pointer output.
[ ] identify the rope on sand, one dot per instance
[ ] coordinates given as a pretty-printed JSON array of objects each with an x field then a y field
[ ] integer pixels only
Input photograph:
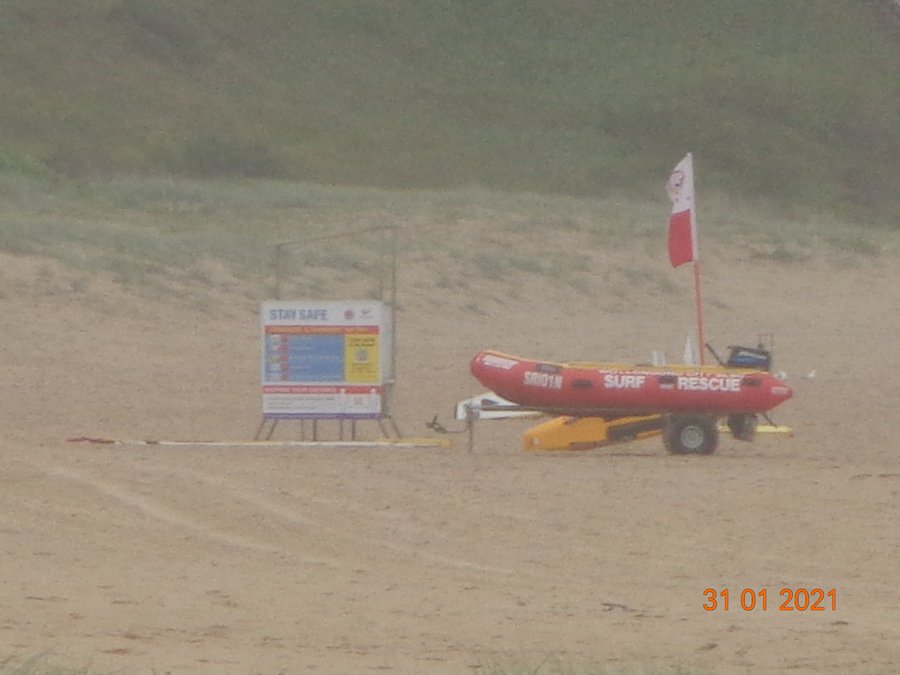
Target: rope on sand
[{"x": 380, "y": 443}]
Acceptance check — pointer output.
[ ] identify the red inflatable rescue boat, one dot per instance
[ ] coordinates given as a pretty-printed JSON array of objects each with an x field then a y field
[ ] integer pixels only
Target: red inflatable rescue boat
[{"x": 610, "y": 390}]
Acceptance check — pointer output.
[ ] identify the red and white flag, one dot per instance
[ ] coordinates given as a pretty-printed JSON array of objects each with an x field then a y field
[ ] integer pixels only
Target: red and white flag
[{"x": 682, "y": 221}]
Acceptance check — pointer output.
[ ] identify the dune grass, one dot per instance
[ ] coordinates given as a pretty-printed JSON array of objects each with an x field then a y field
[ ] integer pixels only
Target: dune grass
[
  {"x": 184, "y": 239},
  {"x": 786, "y": 101}
]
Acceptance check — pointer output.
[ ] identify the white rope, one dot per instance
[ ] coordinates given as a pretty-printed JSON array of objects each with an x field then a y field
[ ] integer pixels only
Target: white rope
[{"x": 381, "y": 443}]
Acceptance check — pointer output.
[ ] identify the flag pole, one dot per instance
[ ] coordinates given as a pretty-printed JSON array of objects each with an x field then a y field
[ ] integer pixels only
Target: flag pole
[
  {"x": 701, "y": 346},
  {"x": 699, "y": 300}
]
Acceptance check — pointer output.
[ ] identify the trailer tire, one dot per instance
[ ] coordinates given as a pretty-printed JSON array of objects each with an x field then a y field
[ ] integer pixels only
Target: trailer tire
[{"x": 691, "y": 434}]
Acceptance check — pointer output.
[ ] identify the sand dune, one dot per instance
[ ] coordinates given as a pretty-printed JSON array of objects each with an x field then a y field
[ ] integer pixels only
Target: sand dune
[{"x": 234, "y": 559}]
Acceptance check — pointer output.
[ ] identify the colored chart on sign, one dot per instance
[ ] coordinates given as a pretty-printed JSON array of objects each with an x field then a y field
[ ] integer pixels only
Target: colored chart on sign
[{"x": 304, "y": 358}]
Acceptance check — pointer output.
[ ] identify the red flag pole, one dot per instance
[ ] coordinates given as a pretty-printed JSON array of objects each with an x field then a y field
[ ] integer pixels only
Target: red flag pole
[
  {"x": 699, "y": 299},
  {"x": 701, "y": 346}
]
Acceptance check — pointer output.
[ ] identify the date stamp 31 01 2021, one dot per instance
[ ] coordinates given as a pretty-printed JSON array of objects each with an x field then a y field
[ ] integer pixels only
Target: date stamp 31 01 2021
[{"x": 784, "y": 600}]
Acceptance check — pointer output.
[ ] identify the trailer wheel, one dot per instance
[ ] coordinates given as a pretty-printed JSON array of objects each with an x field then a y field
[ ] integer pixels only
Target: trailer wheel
[{"x": 691, "y": 434}]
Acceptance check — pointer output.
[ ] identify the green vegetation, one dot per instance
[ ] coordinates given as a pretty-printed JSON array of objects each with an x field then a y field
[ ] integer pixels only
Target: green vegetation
[
  {"x": 785, "y": 101},
  {"x": 162, "y": 235},
  {"x": 171, "y": 145},
  {"x": 197, "y": 241}
]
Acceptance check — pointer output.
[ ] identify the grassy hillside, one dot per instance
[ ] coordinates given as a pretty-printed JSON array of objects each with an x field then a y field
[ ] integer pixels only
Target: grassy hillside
[{"x": 785, "y": 100}]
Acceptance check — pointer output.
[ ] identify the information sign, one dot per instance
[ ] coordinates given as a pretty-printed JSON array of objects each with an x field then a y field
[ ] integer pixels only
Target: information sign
[{"x": 324, "y": 359}]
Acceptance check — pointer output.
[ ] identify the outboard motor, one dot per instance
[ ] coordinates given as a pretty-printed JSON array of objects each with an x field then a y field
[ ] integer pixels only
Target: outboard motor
[
  {"x": 757, "y": 358},
  {"x": 743, "y": 427}
]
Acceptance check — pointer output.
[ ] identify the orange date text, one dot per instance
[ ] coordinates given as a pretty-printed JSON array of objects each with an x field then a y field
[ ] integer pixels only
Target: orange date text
[{"x": 757, "y": 599}]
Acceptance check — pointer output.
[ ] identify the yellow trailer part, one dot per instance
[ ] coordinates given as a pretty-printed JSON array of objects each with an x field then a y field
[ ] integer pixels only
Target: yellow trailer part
[{"x": 584, "y": 433}]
